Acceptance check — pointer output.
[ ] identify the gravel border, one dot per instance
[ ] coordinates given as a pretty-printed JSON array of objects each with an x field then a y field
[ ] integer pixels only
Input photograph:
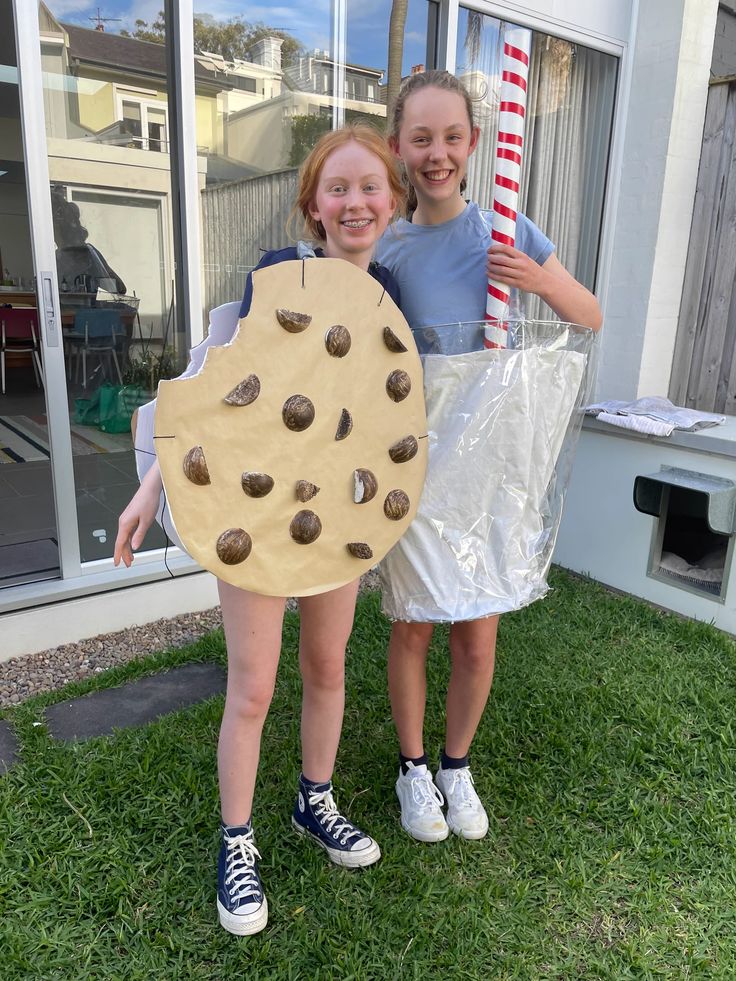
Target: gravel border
[{"x": 31, "y": 674}]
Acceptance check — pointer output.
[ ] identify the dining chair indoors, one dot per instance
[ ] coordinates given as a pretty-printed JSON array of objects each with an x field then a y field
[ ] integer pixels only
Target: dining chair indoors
[
  {"x": 19, "y": 336},
  {"x": 97, "y": 333}
]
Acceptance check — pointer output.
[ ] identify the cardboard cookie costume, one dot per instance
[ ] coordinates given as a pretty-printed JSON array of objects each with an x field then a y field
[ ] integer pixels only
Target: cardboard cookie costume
[{"x": 295, "y": 458}]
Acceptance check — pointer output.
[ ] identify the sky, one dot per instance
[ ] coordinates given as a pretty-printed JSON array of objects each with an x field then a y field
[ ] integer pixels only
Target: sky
[{"x": 307, "y": 20}]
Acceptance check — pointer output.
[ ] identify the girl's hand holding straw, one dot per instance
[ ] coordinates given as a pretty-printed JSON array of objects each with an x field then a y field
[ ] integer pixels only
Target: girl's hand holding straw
[{"x": 514, "y": 268}]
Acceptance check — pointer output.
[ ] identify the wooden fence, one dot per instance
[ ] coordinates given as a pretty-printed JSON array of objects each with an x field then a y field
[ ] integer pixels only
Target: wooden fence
[
  {"x": 240, "y": 220},
  {"x": 704, "y": 367}
]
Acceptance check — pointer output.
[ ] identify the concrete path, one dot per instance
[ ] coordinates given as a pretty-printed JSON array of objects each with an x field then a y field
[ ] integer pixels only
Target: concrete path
[
  {"x": 135, "y": 703},
  {"x": 8, "y": 747}
]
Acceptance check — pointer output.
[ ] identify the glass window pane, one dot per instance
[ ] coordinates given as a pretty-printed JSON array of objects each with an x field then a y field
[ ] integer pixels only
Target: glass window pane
[
  {"x": 132, "y": 124},
  {"x": 265, "y": 94},
  {"x": 28, "y": 529},
  {"x": 106, "y": 123},
  {"x": 570, "y": 100},
  {"x": 157, "y": 130},
  {"x": 369, "y": 34}
]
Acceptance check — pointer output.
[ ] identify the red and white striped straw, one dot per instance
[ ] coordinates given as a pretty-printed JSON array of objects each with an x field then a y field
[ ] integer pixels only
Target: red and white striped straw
[{"x": 515, "y": 67}]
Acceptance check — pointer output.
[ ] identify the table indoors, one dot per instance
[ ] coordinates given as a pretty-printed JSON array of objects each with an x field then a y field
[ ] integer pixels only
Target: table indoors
[{"x": 123, "y": 315}]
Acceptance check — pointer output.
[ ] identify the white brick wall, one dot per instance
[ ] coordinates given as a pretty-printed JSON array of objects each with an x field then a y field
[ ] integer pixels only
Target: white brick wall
[{"x": 672, "y": 53}]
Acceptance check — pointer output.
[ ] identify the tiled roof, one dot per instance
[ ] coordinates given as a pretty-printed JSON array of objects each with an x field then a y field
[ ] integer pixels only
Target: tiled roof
[{"x": 114, "y": 51}]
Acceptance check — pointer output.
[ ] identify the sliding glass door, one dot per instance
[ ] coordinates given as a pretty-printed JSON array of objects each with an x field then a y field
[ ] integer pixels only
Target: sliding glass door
[
  {"x": 29, "y": 548},
  {"x": 107, "y": 127},
  {"x": 88, "y": 321}
]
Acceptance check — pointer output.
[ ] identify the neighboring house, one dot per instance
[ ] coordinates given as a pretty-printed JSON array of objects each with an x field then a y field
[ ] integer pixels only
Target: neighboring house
[
  {"x": 316, "y": 73},
  {"x": 260, "y": 134},
  {"x": 108, "y": 120},
  {"x": 629, "y": 168},
  {"x": 241, "y": 106}
]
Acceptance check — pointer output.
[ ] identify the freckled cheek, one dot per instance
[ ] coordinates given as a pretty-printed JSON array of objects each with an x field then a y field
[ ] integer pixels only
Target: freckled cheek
[{"x": 384, "y": 211}]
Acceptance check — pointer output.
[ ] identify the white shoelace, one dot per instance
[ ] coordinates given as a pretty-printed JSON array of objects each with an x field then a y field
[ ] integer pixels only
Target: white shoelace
[
  {"x": 424, "y": 790},
  {"x": 330, "y": 818},
  {"x": 241, "y": 862},
  {"x": 463, "y": 785}
]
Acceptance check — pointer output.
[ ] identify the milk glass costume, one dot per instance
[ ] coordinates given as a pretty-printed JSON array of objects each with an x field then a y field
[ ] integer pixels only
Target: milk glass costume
[
  {"x": 480, "y": 543},
  {"x": 223, "y": 324}
]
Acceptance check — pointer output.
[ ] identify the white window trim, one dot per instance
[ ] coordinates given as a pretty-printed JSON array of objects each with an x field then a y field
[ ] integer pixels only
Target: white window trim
[
  {"x": 145, "y": 104},
  {"x": 134, "y": 90},
  {"x": 167, "y": 238},
  {"x": 546, "y": 24}
]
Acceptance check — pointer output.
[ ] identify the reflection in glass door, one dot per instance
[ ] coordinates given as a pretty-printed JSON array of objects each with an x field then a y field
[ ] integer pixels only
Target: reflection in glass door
[
  {"x": 106, "y": 113},
  {"x": 569, "y": 118},
  {"x": 265, "y": 95},
  {"x": 28, "y": 535}
]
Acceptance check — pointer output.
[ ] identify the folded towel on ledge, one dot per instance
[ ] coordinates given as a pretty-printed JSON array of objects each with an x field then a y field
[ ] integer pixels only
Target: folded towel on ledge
[
  {"x": 640, "y": 424},
  {"x": 653, "y": 415}
]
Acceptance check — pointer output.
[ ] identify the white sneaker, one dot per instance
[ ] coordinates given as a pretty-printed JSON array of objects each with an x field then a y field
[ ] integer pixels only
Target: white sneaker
[
  {"x": 466, "y": 815},
  {"x": 421, "y": 804}
]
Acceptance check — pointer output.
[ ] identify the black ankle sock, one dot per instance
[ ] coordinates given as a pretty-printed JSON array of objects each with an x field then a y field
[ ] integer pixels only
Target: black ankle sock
[
  {"x": 236, "y": 829},
  {"x": 453, "y": 762},
  {"x": 319, "y": 786},
  {"x": 417, "y": 761}
]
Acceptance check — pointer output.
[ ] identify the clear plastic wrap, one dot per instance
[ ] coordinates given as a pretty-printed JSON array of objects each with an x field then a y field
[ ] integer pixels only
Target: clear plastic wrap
[{"x": 502, "y": 431}]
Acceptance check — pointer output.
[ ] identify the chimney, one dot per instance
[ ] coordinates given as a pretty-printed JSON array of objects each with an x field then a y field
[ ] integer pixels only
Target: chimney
[{"x": 267, "y": 53}]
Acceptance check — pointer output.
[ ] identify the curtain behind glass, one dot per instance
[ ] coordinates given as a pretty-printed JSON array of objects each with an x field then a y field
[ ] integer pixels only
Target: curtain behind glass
[
  {"x": 569, "y": 114},
  {"x": 568, "y": 123}
]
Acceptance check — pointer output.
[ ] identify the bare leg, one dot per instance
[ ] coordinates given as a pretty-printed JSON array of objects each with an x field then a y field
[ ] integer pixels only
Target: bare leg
[
  {"x": 473, "y": 652},
  {"x": 253, "y": 625},
  {"x": 407, "y": 683},
  {"x": 326, "y": 622}
]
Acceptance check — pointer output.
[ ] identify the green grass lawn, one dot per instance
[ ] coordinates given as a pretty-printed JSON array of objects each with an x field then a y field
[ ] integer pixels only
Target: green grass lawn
[{"x": 606, "y": 757}]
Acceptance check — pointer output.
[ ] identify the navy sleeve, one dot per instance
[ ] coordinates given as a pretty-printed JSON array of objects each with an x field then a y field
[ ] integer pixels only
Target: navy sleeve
[
  {"x": 267, "y": 259},
  {"x": 247, "y": 297},
  {"x": 386, "y": 279}
]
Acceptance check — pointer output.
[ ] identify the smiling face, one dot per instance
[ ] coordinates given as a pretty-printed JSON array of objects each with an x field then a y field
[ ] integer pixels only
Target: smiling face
[
  {"x": 353, "y": 201},
  {"x": 434, "y": 143}
]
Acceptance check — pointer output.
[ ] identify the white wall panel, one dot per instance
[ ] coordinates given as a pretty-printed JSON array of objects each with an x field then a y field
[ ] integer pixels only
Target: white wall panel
[
  {"x": 664, "y": 124},
  {"x": 605, "y": 19},
  {"x": 44, "y": 627}
]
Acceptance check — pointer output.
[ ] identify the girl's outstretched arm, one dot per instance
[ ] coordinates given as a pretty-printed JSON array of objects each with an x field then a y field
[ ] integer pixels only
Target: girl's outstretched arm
[
  {"x": 138, "y": 517},
  {"x": 569, "y": 299}
]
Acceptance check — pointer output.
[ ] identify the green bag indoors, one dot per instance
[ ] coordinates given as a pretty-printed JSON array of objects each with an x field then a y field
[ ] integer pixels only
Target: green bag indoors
[{"x": 110, "y": 407}]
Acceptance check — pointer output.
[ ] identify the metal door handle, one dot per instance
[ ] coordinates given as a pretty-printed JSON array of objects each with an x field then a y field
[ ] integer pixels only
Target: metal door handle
[{"x": 50, "y": 317}]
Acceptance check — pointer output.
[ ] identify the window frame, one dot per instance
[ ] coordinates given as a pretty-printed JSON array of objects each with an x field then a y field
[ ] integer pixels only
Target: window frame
[{"x": 125, "y": 95}]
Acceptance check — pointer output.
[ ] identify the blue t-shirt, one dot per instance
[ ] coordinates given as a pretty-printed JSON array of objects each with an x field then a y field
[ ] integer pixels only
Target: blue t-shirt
[
  {"x": 441, "y": 269},
  {"x": 377, "y": 271}
]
